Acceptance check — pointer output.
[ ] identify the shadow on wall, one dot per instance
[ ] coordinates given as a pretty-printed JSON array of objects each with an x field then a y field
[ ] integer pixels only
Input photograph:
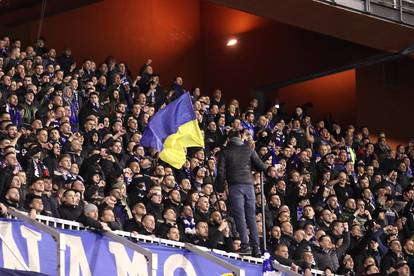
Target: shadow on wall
[
  {"x": 131, "y": 31},
  {"x": 383, "y": 106},
  {"x": 334, "y": 94},
  {"x": 392, "y": 142}
]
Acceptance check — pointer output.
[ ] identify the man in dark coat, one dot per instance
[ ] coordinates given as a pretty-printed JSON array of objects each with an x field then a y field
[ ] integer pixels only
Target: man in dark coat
[
  {"x": 65, "y": 60},
  {"x": 7, "y": 172},
  {"x": 326, "y": 256},
  {"x": 90, "y": 108},
  {"x": 235, "y": 165},
  {"x": 71, "y": 211}
]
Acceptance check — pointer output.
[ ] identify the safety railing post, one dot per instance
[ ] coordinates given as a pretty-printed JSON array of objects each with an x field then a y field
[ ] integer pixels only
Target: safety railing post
[
  {"x": 367, "y": 6},
  {"x": 151, "y": 257},
  {"x": 209, "y": 256},
  {"x": 60, "y": 253}
]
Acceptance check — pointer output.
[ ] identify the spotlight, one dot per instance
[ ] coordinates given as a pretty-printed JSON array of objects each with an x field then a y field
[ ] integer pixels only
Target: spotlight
[{"x": 231, "y": 42}]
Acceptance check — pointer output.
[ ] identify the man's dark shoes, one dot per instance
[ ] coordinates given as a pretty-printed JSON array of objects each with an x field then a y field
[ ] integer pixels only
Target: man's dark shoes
[
  {"x": 246, "y": 251},
  {"x": 256, "y": 252}
]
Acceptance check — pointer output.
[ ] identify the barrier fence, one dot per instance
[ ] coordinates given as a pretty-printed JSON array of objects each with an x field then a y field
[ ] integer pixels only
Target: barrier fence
[
  {"x": 400, "y": 11},
  {"x": 156, "y": 253}
]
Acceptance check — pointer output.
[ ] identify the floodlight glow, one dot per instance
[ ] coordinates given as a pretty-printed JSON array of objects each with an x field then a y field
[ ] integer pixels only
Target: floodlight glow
[{"x": 231, "y": 42}]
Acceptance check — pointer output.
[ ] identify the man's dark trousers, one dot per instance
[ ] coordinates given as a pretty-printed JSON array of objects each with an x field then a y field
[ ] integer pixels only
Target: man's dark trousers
[{"x": 243, "y": 208}]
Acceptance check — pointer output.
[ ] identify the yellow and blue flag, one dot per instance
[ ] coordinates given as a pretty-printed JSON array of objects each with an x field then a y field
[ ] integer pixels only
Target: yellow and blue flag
[{"x": 172, "y": 130}]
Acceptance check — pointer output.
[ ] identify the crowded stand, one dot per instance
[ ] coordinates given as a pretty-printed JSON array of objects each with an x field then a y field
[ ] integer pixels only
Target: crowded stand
[{"x": 335, "y": 199}]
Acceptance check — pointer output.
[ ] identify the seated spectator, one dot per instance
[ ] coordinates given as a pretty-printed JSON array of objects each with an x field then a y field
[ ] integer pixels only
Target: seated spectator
[
  {"x": 71, "y": 211},
  {"x": 107, "y": 216},
  {"x": 173, "y": 201},
  {"x": 148, "y": 225},
  {"x": 393, "y": 256},
  {"x": 281, "y": 255},
  {"x": 170, "y": 220},
  {"x": 154, "y": 206},
  {"x": 12, "y": 199},
  {"x": 186, "y": 222},
  {"x": 173, "y": 234},
  {"x": 202, "y": 237},
  {"x": 202, "y": 212},
  {"x": 36, "y": 206},
  {"x": 135, "y": 223},
  {"x": 218, "y": 228}
]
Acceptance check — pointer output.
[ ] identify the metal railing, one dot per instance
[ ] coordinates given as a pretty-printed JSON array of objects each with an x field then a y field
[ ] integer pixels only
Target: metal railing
[
  {"x": 47, "y": 224},
  {"x": 73, "y": 225},
  {"x": 204, "y": 252},
  {"x": 400, "y": 11},
  {"x": 151, "y": 257}
]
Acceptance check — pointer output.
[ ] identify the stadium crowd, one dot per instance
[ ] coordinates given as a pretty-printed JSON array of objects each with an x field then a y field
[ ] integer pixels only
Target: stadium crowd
[{"x": 70, "y": 148}]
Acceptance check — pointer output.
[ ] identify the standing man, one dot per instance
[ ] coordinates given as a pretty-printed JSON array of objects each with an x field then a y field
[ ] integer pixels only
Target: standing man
[{"x": 235, "y": 166}]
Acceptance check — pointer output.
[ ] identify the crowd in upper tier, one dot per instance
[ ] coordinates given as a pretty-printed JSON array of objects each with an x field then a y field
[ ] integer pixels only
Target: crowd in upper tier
[{"x": 70, "y": 148}]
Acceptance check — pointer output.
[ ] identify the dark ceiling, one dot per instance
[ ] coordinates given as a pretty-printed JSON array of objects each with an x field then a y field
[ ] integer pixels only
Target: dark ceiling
[
  {"x": 17, "y": 12},
  {"x": 319, "y": 17}
]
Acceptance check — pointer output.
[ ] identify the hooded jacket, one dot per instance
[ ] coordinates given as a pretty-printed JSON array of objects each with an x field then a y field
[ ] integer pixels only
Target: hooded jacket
[{"x": 235, "y": 164}]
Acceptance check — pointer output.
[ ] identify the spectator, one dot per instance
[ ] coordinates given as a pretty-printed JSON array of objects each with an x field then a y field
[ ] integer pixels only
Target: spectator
[
  {"x": 170, "y": 220},
  {"x": 107, "y": 216},
  {"x": 71, "y": 211},
  {"x": 241, "y": 195},
  {"x": 173, "y": 234},
  {"x": 202, "y": 212},
  {"x": 148, "y": 225},
  {"x": 327, "y": 256}
]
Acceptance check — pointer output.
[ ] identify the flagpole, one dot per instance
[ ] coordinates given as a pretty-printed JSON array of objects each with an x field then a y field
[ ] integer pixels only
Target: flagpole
[{"x": 263, "y": 213}]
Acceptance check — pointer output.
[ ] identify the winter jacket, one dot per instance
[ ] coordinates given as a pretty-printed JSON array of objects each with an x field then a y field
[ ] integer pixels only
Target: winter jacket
[
  {"x": 330, "y": 258},
  {"x": 235, "y": 164}
]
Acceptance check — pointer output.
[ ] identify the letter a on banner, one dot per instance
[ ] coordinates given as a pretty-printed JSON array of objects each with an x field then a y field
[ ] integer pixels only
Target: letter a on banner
[
  {"x": 124, "y": 266},
  {"x": 78, "y": 262},
  {"x": 12, "y": 256}
]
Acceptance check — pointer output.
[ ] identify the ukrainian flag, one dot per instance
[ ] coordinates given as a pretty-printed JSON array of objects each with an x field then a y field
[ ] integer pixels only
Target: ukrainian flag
[{"x": 172, "y": 130}]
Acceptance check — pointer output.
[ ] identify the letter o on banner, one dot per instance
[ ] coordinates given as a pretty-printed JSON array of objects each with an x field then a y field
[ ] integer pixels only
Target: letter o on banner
[{"x": 178, "y": 261}]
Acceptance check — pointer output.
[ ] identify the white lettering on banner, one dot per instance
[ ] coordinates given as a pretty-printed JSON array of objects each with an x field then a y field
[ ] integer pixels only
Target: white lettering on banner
[
  {"x": 126, "y": 267},
  {"x": 78, "y": 263},
  {"x": 178, "y": 261},
  {"x": 12, "y": 256}
]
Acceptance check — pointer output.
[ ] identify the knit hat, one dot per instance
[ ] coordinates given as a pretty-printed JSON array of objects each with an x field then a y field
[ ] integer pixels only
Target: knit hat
[{"x": 90, "y": 208}]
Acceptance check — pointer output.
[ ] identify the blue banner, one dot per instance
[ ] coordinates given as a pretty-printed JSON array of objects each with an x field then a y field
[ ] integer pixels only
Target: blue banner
[
  {"x": 86, "y": 253},
  {"x": 180, "y": 262},
  {"x": 11, "y": 272},
  {"x": 25, "y": 247}
]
